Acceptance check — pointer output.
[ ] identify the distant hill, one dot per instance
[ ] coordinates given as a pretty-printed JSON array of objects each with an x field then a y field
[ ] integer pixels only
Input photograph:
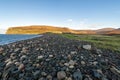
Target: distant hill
[
  {"x": 43, "y": 29},
  {"x": 104, "y": 30},
  {"x": 39, "y": 29},
  {"x": 115, "y": 31}
]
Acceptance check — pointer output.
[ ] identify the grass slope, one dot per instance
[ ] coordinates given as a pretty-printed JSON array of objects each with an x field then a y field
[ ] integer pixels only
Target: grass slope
[{"x": 101, "y": 41}]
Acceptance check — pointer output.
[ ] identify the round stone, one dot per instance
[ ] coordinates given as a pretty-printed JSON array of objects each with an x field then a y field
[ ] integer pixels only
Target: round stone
[
  {"x": 61, "y": 75},
  {"x": 83, "y": 62}
]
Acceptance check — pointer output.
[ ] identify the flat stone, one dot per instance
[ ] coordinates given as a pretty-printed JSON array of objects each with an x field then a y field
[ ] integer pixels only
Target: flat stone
[
  {"x": 66, "y": 64},
  {"x": 50, "y": 56},
  {"x": 40, "y": 57},
  {"x": 73, "y": 52},
  {"x": 87, "y": 47},
  {"x": 71, "y": 66}
]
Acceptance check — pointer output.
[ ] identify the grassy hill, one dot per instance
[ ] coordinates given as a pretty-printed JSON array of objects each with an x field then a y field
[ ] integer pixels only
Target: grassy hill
[
  {"x": 43, "y": 29},
  {"x": 39, "y": 29}
]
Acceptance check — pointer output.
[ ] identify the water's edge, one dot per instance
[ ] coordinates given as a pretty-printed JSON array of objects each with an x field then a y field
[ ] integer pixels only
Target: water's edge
[{"x": 11, "y": 38}]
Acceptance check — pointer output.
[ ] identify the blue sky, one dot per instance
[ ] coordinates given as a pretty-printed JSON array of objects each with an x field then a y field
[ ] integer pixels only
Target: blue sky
[{"x": 75, "y": 14}]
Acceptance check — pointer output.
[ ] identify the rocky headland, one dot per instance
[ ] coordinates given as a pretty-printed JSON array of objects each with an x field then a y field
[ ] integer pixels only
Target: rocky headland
[{"x": 52, "y": 57}]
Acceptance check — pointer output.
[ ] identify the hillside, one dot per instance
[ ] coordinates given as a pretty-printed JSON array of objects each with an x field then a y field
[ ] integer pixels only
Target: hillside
[
  {"x": 36, "y": 30},
  {"x": 43, "y": 29},
  {"x": 104, "y": 30},
  {"x": 39, "y": 29}
]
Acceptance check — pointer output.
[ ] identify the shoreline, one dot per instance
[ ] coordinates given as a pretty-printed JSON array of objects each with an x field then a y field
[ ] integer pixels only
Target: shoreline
[
  {"x": 12, "y": 40},
  {"x": 53, "y": 57}
]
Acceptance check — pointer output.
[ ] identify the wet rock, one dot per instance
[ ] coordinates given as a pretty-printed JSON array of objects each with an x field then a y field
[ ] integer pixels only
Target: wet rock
[
  {"x": 87, "y": 47},
  {"x": 61, "y": 75},
  {"x": 77, "y": 75}
]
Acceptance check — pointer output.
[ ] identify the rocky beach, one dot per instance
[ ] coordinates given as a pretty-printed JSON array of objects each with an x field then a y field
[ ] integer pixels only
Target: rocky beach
[{"x": 53, "y": 57}]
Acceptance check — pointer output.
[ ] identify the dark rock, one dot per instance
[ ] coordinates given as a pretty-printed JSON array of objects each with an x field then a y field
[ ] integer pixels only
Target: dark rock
[{"x": 77, "y": 75}]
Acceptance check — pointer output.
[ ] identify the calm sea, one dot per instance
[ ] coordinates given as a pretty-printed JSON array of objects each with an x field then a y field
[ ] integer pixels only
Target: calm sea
[{"x": 6, "y": 39}]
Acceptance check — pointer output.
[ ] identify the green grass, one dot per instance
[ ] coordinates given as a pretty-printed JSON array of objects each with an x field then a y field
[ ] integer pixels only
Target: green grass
[{"x": 101, "y": 41}]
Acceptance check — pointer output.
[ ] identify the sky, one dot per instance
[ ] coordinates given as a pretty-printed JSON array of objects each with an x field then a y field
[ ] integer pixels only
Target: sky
[{"x": 74, "y": 14}]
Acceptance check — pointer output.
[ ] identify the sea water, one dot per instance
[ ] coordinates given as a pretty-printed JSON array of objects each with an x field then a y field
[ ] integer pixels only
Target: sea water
[{"x": 8, "y": 38}]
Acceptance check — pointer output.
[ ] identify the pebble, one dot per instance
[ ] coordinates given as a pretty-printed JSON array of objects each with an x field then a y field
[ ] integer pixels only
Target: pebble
[
  {"x": 36, "y": 74},
  {"x": 49, "y": 77},
  {"x": 83, "y": 62},
  {"x": 66, "y": 64},
  {"x": 95, "y": 63},
  {"x": 40, "y": 57},
  {"x": 50, "y": 56},
  {"x": 23, "y": 57},
  {"x": 73, "y": 52},
  {"x": 43, "y": 74},
  {"x": 87, "y": 47},
  {"x": 77, "y": 75},
  {"x": 72, "y": 63},
  {"x": 61, "y": 75},
  {"x": 71, "y": 66},
  {"x": 9, "y": 63},
  {"x": 21, "y": 67}
]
